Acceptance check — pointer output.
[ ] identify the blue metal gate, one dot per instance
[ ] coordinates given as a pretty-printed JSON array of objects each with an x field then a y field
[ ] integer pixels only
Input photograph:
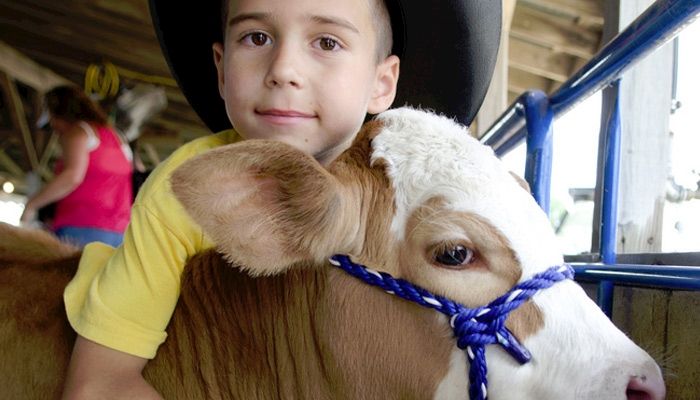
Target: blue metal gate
[{"x": 530, "y": 118}]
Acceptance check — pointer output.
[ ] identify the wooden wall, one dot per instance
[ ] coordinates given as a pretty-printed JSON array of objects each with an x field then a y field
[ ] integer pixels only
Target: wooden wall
[{"x": 667, "y": 325}]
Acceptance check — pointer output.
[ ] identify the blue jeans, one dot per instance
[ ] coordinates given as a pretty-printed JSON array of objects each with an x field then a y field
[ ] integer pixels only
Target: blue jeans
[{"x": 82, "y": 236}]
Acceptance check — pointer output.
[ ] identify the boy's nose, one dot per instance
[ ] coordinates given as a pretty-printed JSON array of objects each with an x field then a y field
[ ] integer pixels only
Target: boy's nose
[{"x": 283, "y": 70}]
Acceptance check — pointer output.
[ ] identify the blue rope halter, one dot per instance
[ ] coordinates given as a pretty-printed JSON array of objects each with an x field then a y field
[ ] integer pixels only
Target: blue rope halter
[{"x": 474, "y": 328}]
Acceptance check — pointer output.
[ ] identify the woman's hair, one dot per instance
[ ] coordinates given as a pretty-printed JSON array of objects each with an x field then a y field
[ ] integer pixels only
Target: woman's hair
[{"x": 72, "y": 104}]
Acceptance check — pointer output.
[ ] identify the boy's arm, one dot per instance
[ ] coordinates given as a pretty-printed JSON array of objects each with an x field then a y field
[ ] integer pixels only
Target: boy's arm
[
  {"x": 124, "y": 298},
  {"x": 119, "y": 303},
  {"x": 120, "y": 308},
  {"x": 98, "y": 372}
]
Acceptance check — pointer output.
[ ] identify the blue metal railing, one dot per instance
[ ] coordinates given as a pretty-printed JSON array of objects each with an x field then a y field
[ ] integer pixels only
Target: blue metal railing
[
  {"x": 658, "y": 24},
  {"x": 666, "y": 276},
  {"x": 530, "y": 118}
]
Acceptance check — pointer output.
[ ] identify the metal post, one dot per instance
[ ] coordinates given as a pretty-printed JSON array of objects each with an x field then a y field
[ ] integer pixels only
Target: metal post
[
  {"x": 611, "y": 174},
  {"x": 658, "y": 24},
  {"x": 538, "y": 166}
]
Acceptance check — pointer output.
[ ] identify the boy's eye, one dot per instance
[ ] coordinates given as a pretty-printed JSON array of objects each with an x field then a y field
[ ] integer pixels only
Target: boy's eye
[
  {"x": 257, "y": 38},
  {"x": 328, "y": 44}
]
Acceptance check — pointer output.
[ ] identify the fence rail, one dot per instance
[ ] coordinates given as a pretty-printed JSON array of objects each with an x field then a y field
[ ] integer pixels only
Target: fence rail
[{"x": 530, "y": 118}]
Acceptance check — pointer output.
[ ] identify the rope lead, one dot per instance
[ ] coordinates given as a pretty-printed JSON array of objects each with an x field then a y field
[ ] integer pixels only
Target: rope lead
[{"x": 474, "y": 328}]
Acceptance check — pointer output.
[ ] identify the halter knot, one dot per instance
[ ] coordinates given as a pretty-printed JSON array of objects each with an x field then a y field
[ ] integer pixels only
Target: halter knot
[
  {"x": 474, "y": 328},
  {"x": 471, "y": 329}
]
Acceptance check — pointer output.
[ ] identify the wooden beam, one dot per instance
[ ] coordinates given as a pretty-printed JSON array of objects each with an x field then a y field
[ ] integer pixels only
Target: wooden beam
[
  {"x": 81, "y": 35},
  {"x": 540, "y": 60},
  {"x": 49, "y": 151},
  {"x": 512, "y": 96},
  {"x": 163, "y": 122},
  {"x": 74, "y": 10},
  {"x": 587, "y": 13},
  {"x": 557, "y": 34},
  {"x": 70, "y": 68},
  {"x": 136, "y": 10},
  {"x": 66, "y": 36},
  {"x": 11, "y": 166},
  {"x": 66, "y": 62},
  {"x": 181, "y": 112},
  {"x": 178, "y": 110},
  {"x": 19, "y": 118},
  {"x": 152, "y": 153},
  {"x": 74, "y": 71},
  {"x": 496, "y": 99},
  {"x": 578, "y": 63},
  {"x": 27, "y": 71},
  {"x": 521, "y": 81}
]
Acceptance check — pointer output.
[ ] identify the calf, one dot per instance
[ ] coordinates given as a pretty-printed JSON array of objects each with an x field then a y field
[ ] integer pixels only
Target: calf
[{"x": 415, "y": 197}]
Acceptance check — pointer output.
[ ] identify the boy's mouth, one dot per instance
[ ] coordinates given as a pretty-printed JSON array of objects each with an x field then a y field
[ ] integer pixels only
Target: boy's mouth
[
  {"x": 274, "y": 112},
  {"x": 281, "y": 117}
]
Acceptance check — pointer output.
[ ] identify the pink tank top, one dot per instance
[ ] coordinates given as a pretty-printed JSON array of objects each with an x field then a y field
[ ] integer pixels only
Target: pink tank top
[{"x": 103, "y": 199}]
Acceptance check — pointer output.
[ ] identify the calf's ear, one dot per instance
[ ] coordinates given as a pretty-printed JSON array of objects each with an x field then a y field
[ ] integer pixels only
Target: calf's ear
[{"x": 265, "y": 204}]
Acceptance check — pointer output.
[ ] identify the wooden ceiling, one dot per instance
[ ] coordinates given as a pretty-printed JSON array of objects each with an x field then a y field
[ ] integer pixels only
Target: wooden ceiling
[{"x": 548, "y": 40}]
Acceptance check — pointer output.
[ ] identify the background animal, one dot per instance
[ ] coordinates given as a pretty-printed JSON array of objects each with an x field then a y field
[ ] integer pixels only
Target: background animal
[{"x": 265, "y": 316}]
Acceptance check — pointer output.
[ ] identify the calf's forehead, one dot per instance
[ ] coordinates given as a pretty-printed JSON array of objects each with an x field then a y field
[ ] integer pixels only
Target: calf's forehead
[{"x": 428, "y": 156}]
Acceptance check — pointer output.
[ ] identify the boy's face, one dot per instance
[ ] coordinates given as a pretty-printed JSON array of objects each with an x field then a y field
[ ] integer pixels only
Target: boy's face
[{"x": 304, "y": 72}]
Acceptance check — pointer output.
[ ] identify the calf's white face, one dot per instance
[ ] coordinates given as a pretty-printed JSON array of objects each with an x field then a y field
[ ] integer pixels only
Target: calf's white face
[
  {"x": 452, "y": 193},
  {"x": 416, "y": 196}
]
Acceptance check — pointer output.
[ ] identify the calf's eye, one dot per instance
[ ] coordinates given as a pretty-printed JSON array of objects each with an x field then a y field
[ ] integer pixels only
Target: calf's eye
[{"x": 454, "y": 256}]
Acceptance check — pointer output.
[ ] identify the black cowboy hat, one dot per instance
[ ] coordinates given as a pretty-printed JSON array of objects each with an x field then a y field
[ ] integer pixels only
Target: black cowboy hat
[{"x": 447, "y": 49}]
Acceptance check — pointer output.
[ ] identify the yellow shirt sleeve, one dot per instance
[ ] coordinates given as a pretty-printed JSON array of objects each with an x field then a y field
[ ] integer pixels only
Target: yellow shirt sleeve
[{"x": 124, "y": 298}]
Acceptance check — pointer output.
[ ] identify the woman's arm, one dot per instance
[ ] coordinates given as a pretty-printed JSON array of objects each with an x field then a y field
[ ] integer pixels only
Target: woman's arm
[
  {"x": 98, "y": 372},
  {"x": 75, "y": 162}
]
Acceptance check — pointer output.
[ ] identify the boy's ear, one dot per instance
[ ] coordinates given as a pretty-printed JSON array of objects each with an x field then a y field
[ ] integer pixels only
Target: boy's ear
[
  {"x": 218, "y": 51},
  {"x": 267, "y": 205},
  {"x": 385, "y": 85}
]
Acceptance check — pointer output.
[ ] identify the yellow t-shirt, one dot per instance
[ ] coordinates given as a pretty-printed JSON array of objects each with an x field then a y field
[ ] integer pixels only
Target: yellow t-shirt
[{"x": 123, "y": 298}]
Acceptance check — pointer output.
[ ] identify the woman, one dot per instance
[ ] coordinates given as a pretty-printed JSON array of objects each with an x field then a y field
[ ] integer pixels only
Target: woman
[{"x": 92, "y": 184}]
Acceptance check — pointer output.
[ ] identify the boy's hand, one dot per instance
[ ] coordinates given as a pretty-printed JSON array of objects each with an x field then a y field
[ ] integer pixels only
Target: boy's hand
[{"x": 98, "y": 372}]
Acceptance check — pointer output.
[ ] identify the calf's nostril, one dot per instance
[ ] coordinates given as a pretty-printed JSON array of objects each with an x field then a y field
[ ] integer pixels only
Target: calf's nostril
[{"x": 643, "y": 388}]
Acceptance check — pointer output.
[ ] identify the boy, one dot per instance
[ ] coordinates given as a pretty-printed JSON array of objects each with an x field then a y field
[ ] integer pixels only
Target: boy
[{"x": 305, "y": 72}]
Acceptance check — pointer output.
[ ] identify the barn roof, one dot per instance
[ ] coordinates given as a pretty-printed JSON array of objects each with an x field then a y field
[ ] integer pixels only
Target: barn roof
[{"x": 48, "y": 41}]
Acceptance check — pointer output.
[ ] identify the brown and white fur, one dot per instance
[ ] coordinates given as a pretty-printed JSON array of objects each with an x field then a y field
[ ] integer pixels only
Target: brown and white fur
[{"x": 283, "y": 324}]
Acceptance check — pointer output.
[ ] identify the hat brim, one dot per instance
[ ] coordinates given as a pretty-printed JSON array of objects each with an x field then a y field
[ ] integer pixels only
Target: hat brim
[{"x": 447, "y": 48}]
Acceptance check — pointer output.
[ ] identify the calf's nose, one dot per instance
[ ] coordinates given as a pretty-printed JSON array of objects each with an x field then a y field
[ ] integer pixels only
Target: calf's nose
[{"x": 644, "y": 387}]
